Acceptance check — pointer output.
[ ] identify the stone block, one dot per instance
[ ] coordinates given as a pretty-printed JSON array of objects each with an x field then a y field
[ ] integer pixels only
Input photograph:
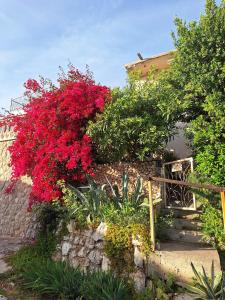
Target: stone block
[
  {"x": 138, "y": 257},
  {"x": 66, "y": 248},
  {"x": 105, "y": 264},
  {"x": 100, "y": 232},
  {"x": 139, "y": 279},
  {"x": 95, "y": 257}
]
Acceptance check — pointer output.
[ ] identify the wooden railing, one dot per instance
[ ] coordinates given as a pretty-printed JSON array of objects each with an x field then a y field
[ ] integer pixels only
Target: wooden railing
[{"x": 218, "y": 189}]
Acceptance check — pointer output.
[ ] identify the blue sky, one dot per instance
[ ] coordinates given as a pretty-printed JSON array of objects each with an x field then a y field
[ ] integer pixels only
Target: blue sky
[{"x": 38, "y": 36}]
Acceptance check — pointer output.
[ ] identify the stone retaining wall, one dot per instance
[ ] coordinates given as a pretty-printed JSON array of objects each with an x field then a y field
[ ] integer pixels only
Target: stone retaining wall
[
  {"x": 115, "y": 171},
  {"x": 84, "y": 249}
]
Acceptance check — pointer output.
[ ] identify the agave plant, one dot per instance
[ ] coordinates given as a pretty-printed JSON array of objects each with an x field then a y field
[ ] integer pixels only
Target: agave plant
[
  {"x": 207, "y": 287},
  {"x": 120, "y": 197},
  {"x": 92, "y": 197},
  {"x": 222, "y": 296}
]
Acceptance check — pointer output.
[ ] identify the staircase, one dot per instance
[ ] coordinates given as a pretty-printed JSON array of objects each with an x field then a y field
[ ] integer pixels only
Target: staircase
[
  {"x": 186, "y": 227},
  {"x": 182, "y": 246}
]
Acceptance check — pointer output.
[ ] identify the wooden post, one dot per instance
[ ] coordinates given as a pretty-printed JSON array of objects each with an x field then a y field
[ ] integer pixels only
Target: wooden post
[
  {"x": 223, "y": 207},
  {"x": 151, "y": 215}
]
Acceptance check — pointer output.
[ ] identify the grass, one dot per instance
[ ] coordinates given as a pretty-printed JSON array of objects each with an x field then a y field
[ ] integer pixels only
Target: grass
[{"x": 37, "y": 275}]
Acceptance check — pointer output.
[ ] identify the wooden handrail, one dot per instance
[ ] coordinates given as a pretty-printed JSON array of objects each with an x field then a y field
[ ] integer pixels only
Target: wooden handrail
[
  {"x": 218, "y": 189},
  {"x": 211, "y": 187}
]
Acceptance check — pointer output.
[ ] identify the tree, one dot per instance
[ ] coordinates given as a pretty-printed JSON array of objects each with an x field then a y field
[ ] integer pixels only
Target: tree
[
  {"x": 51, "y": 141},
  {"x": 198, "y": 74},
  {"x": 135, "y": 124}
]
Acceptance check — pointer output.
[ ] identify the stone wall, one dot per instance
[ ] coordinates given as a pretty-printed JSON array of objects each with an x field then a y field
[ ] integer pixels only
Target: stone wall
[
  {"x": 84, "y": 249},
  {"x": 115, "y": 171},
  {"x": 14, "y": 218}
]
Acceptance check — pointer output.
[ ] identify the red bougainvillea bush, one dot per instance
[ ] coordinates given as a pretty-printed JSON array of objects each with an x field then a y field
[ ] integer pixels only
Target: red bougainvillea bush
[{"x": 51, "y": 143}]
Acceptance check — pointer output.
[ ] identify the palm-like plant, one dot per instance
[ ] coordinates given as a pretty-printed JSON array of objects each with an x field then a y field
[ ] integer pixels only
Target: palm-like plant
[
  {"x": 207, "y": 287},
  {"x": 123, "y": 196},
  {"x": 92, "y": 197}
]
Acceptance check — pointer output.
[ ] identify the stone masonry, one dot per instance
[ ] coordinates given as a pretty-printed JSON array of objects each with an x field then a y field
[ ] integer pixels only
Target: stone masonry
[
  {"x": 14, "y": 218},
  {"x": 84, "y": 249}
]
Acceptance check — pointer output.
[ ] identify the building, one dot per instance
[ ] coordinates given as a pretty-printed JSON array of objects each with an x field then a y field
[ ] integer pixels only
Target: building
[{"x": 160, "y": 61}]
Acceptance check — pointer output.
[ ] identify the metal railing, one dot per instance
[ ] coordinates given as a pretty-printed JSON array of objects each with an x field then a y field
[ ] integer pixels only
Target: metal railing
[{"x": 218, "y": 189}]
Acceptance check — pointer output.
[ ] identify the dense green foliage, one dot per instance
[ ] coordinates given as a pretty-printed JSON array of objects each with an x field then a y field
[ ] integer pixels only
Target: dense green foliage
[
  {"x": 52, "y": 278},
  {"x": 134, "y": 124},
  {"x": 212, "y": 225},
  {"x": 211, "y": 216},
  {"x": 198, "y": 74},
  {"x": 91, "y": 204}
]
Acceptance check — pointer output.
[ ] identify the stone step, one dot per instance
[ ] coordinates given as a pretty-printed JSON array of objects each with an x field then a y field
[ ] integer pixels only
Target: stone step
[
  {"x": 185, "y": 224},
  {"x": 175, "y": 258},
  {"x": 182, "y": 214},
  {"x": 184, "y": 236}
]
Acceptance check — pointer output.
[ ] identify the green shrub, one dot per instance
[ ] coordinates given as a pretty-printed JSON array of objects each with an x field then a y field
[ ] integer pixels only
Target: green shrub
[
  {"x": 212, "y": 225},
  {"x": 211, "y": 217},
  {"x": 133, "y": 125},
  {"x": 52, "y": 219},
  {"x": 118, "y": 244},
  {"x": 50, "y": 215},
  {"x": 105, "y": 286}
]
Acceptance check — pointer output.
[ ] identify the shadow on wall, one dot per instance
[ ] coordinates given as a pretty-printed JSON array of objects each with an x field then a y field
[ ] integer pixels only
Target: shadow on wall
[{"x": 15, "y": 220}]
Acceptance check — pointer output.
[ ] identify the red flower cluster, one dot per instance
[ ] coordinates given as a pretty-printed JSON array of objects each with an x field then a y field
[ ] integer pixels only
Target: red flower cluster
[{"x": 51, "y": 142}]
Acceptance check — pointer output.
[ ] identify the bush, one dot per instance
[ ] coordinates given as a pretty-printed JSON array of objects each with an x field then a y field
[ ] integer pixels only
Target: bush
[
  {"x": 133, "y": 126},
  {"x": 211, "y": 216},
  {"x": 212, "y": 225},
  {"x": 118, "y": 244}
]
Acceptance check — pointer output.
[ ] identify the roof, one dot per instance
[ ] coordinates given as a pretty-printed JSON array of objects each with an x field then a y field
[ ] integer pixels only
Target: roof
[{"x": 133, "y": 64}]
